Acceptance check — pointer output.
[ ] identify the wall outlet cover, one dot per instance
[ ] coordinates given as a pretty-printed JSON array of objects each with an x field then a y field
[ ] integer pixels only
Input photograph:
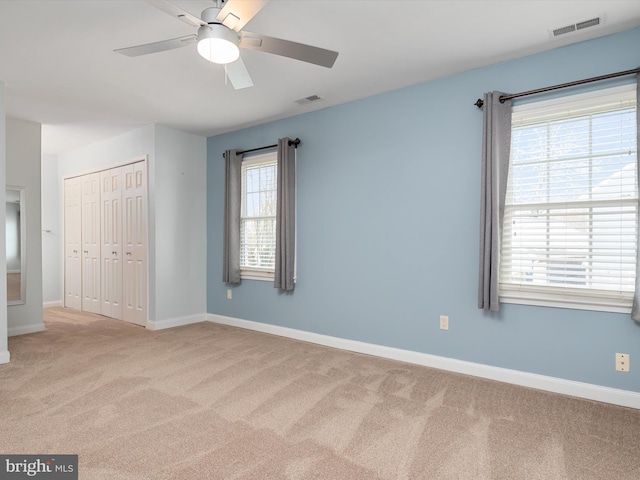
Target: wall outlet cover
[{"x": 622, "y": 362}]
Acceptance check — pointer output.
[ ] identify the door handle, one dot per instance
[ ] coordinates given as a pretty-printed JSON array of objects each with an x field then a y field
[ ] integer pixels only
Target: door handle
[
  {"x": 129, "y": 253},
  {"x": 86, "y": 251},
  {"x": 114, "y": 253}
]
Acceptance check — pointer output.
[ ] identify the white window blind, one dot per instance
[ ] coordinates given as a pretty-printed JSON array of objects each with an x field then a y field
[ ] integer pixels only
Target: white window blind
[
  {"x": 258, "y": 216},
  {"x": 570, "y": 224}
]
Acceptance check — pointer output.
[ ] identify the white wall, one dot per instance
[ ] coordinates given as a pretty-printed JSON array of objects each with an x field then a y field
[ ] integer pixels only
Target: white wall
[
  {"x": 23, "y": 169},
  {"x": 176, "y": 220},
  {"x": 4, "y": 350},
  {"x": 51, "y": 233},
  {"x": 107, "y": 153},
  {"x": 181, "y": 224}
]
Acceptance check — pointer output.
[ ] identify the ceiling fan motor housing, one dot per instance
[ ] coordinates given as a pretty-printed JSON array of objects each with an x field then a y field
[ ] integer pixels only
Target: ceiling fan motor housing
[
  {"x": 216, "y": 42},
  {"x": 209, "y": 15}
]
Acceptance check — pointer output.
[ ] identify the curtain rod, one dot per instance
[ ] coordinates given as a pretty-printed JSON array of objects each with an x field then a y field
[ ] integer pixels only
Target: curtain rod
[
  {"x": 479, "y": 103},
  {"x": 295, "y": 143}
]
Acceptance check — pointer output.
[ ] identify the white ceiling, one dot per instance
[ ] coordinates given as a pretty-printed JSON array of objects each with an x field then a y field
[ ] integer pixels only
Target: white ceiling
[{"x": 59, "y": 68}]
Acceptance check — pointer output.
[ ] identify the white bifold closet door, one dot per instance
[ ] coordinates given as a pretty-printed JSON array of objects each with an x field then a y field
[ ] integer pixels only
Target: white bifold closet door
[
  {"x": 106, "y": 243},
  {"x": 72, "y": 243},
  {"x": 134, "y": 240},
  {"x": 91, "y": 242},
  {"x": 111, "y": 248}
]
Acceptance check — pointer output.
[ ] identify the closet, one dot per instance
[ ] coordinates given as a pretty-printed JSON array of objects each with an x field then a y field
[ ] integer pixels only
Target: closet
[{"x": 105, "y": 229}]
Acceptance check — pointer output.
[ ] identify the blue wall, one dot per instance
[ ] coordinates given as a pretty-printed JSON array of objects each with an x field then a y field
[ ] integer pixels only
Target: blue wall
[{"x": 388, "y": 206}]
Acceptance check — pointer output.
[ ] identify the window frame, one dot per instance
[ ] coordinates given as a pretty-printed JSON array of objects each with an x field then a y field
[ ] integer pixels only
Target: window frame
[
  {"x": 541, "y": 295},
  {"x": 256, "y": 273}
]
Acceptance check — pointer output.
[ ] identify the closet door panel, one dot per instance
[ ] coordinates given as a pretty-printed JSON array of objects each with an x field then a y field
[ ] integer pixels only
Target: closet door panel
[
  {"x": 135, "y": 244},
  {"x": 91, "y": 230},
  {"x": 72, "y": 243},
  {"x": 111, "y": 247}
]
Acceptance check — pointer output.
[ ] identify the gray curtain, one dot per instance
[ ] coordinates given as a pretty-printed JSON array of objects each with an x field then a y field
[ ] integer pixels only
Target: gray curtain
[
  {"x": 496, "y": 145},
  {"x": 232, "y": 194},
  {"x": 635, "y": 308},
  {"x": 286, "y": 216}
]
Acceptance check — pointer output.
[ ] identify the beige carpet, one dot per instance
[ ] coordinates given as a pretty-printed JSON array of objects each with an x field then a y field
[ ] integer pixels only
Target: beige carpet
[{"x": 214, "y": 402}]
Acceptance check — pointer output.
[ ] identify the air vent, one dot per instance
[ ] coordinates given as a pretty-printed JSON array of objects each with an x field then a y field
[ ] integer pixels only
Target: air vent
[
  {"x": 563, "y": 30},
  {"x": 588, "y": 23},
  {"x": 309, "y": 99},
  {"x": 592, "y": 22}
]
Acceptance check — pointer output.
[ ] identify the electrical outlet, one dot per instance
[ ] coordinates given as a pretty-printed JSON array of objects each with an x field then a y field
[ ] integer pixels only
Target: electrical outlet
[
  {"x": 444, "y": 322},
  {"x": 622, "y": 362},
  {"x": 229, "y": 294}
]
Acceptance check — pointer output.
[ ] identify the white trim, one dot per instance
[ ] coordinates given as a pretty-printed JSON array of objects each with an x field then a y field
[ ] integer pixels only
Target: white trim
[
  {"x": 175, "y": 322},
  {"x": 24, "y": 329},
  {"x": 54, "y": 303},
  {"x": 589, "y": 391},
  {"x": 4, "y": 357}
]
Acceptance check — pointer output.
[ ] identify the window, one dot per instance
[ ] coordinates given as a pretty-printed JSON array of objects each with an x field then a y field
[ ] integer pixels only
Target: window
[
  {"x": 258, "y": 217},
  {"x": 570, "y": 223}
]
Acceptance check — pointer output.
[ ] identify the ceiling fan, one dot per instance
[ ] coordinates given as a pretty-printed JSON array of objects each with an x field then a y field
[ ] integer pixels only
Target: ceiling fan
[{"x": 220, "y": 36}]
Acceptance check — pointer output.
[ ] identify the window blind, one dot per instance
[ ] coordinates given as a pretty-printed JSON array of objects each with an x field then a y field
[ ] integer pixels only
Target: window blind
[
  {"x": 258, "y": 214},
  {"x": 570, "y": 224}
]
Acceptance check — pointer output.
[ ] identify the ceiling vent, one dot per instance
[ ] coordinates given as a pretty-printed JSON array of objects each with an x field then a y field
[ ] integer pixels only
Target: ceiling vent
[
  {"x": 594, "y": 22},
  {"x": 575, "y": 27},
  {"x": 309, "y": 99}
]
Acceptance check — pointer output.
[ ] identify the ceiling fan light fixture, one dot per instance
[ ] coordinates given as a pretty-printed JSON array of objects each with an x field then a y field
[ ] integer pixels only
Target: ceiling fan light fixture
[{"x": 218, "y": 44}]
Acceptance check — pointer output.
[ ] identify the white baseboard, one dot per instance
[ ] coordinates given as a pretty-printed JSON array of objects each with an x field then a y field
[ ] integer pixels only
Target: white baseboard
[
  {"x": 589, "y": 391},
  {"x": 24, "y": 329},
  {"x": 175, "y": 322},
  {"x": 54, "y": 303},
  {"x": 4, "y": 357}
]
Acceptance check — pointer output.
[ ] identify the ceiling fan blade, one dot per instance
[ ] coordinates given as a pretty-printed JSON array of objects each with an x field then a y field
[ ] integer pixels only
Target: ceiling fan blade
[
  {"x": 155, "y": 47},
  {"x": 236, "y": 13},
  {"x": 176, "y": 12},
  {"x": 285, "y": 48},
  {"x": 239, "y": 75}
]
